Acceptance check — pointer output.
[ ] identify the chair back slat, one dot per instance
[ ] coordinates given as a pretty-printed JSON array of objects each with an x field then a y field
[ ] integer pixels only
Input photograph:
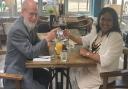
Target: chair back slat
[
  {"x": 122, "y": 82},
  {"x": 125, "y": 63}
]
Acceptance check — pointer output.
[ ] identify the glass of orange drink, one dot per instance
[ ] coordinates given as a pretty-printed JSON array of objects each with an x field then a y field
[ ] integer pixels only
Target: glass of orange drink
[{"x": 58, "y": 48}]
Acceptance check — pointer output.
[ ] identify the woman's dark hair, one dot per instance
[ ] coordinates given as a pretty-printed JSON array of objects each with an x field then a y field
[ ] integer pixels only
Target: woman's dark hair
[{"x": 114, "y": 15}]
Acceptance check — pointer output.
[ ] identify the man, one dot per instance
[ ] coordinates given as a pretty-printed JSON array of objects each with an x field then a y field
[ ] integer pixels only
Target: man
[{"x": 23, "y": 44}]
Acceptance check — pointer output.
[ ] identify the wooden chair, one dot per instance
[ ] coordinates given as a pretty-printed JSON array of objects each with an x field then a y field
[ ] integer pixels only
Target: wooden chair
[
  {"x": 16, "y": 77},
  {"x": 122, "y": 82}
]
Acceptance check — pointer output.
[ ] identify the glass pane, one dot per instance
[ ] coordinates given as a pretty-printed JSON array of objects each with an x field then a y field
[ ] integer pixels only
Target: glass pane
[
  {"x": 72, "y": 6},
  {"x": 19, "y": 2},
  {"x": 49, "y": 7},
  {"x": 125, "y": 8},
  {"x": 6, "y": 5},
  {"x": 2, "y": 6},
  {"x": 7, "y": 8},
  {"x": 78, "y": 5},
  {"x": 83, "y": 6}
]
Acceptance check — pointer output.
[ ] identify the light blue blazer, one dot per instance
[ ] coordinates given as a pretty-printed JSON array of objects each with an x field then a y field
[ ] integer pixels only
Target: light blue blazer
[{"x": 22, "y": 45}]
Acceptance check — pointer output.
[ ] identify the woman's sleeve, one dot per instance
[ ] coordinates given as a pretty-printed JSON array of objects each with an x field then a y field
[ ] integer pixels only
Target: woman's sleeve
[
  {"x": 86, "y": 39},
  {"x": 114, "y": 50}
]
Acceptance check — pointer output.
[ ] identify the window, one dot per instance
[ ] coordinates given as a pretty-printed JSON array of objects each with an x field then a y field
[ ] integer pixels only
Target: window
[
  {"x": 125, "y": 7},
  {"x": 2, "y": 6},
  {"x": 49, "y": 6},
  {"x": 79, "y": 6},
  {"x": 6, "y": 5},
  {"x": 10, "y": 8}
]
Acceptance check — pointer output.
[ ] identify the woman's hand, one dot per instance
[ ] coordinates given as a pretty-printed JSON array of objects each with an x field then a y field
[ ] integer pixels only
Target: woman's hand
[
  {"x": 84, "y": 52},
  {"x": 66, "y": 33},
  {"x": 74, "y": 38},
  {"x": 93, "y": 56}
]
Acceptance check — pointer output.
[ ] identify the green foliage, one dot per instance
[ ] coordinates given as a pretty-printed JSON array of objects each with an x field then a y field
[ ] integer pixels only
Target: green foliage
[{"x": 50, "y": 10}]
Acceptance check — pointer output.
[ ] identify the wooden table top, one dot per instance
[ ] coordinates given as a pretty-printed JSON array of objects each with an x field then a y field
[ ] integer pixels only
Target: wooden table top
[{"x": 74, "y": 60}]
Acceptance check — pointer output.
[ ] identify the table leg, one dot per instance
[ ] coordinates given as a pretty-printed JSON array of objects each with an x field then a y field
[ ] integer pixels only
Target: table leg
[
  {"x": 56, "y": 80},
  {"x": 64, "y": 72},
  {"x": 67, "y": 79},
  {"x": 50, "y": 84}
]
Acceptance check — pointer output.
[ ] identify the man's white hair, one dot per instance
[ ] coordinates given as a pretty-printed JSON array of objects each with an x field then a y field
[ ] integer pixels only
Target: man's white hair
[{"x": 27, "y": 3}]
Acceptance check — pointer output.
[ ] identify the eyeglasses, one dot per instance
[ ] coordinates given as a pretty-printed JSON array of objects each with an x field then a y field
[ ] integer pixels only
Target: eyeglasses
[{"x": 33, "y": 14}]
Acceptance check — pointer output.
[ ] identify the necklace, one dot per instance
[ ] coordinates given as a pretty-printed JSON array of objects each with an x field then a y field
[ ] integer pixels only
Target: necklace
[{"x": 96, "y": 43}]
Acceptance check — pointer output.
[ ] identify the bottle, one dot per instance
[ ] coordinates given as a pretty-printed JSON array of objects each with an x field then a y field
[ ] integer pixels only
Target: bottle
[
  {"x": 64, "y": 53},
  {"x": 64, "y": 56}
]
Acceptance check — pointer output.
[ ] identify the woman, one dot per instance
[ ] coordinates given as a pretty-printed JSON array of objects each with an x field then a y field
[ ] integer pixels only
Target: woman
[{"x": 103, "y": 46}]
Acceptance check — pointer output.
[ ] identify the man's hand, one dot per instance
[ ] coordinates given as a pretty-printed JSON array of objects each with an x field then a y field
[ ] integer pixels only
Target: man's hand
[{"x": 51, "y": 35}]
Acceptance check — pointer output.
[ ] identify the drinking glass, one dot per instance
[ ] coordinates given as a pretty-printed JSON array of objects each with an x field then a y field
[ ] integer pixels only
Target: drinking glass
[
  {"x": 64, "y": 56},
  {"x": 58, "y": 48}
]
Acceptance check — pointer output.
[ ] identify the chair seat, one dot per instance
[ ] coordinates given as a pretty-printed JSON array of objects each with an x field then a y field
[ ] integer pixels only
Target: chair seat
[
  {"x": 16, "y": 77},
  {"x": 11, "y": 76},
  {"x": 121, "y": 83}
]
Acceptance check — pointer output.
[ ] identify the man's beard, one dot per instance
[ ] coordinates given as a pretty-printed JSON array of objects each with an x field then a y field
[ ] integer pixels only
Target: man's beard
[{"x": 29, "y": 25}]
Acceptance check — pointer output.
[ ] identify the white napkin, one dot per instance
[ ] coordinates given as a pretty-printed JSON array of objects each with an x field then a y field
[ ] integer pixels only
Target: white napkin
[{"x": 43, "y": 58}]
